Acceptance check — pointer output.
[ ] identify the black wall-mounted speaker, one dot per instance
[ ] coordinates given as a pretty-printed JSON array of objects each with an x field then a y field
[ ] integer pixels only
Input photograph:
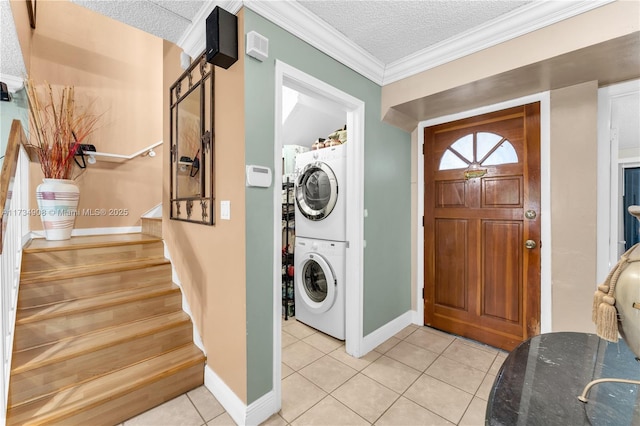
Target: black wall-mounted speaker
[
  {"x": 4, "y": 92},
  {"x": 222, "y": 38}
]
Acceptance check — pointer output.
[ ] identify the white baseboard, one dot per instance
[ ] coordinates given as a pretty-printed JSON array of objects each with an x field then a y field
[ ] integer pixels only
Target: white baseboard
[
  {"x": 197, "y": 340},
  {"x": 390, "y": 329},
  {"x": 417, "y": 318},
  {"x": 103, "y": 231},
  {"x": 154, "y": 212},
  {"x": 261, "y": 409},
  {"x": 225, "y": 396},
  {"x": 251, "y": 415}
]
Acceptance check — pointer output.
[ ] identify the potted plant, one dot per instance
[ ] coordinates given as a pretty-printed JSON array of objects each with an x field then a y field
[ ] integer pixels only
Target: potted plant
[{"x": 57, "y": 128}]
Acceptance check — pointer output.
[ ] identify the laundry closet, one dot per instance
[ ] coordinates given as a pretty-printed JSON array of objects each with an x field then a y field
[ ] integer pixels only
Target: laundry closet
[{"x": 314, "y": 164}]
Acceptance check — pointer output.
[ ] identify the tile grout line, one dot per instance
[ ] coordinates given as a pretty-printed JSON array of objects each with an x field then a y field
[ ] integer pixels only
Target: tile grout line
[
  {"x": 473, "y": 395},
  {"x": 196, "y": 408}
]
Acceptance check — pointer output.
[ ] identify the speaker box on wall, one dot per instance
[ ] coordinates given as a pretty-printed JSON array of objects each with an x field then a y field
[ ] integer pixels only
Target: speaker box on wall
[{"x": 222, "y": 38}]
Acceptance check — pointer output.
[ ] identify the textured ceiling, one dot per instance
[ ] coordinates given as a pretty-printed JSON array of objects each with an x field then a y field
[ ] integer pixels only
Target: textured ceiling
[
  {"x": 167, "y": 19},
  {"x": 381, "y": 39},
  {"x": 391, "y": 30},
  {"x": 11, "y": 62},
  {"x": 388, "y": 29}
]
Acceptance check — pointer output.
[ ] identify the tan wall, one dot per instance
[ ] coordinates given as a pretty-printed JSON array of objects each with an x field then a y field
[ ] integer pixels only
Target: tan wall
[
  {"x": 436, "y": 92},
  {"x": 23, "y": 28},
  {"x": 116, "y": 71},
  {"x": 604, "y": 23},
  {"x": 573, "y": 205},
  {"x": 210, "y": 260}
]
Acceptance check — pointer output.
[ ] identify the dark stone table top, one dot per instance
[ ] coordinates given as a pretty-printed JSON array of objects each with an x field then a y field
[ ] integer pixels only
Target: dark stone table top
[{"x": 540, "y": 381}]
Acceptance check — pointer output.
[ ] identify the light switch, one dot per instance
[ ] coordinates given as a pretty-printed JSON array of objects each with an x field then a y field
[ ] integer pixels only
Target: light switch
[{"x": 225, "y": 210}]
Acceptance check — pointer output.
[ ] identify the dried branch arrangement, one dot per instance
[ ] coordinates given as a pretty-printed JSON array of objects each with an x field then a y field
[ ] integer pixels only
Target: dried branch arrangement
[{"x": 56, "y": 128}]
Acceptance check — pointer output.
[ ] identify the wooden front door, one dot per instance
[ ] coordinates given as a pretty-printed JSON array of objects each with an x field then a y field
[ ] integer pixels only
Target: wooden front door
[{"x": 482, "y": 226}]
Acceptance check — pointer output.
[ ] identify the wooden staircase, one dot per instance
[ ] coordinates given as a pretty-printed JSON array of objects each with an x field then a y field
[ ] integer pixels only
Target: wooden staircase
[{"x": 100, "y": 332}]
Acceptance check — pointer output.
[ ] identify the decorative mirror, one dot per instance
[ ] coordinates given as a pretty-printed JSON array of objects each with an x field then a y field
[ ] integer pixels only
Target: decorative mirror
[{"x": 192, "y": 144}]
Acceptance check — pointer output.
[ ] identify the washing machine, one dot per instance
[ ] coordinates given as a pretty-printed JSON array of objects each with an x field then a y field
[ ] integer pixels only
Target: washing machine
[
  {"x": 320, "y": 194},
  {"x": 319, "y": 277}
]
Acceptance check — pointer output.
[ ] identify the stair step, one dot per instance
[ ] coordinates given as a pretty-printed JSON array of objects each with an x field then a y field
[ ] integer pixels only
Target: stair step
[
  {"x": 32, "y": 358},
  {"x": 91, "y": 241},
  {"x": 152, "y": 226},
  {"x": 133, "y": 275},
  {"x": 100, "y": 333},
  {"x": 42, "y": 325},
  {"x": 78, "y": 255},
  {"x": 57, "y": 366},
  {"x": 115, "y": 397},
  {"x": 40, "y": 313},
  {"x": 89, "y": 270}
]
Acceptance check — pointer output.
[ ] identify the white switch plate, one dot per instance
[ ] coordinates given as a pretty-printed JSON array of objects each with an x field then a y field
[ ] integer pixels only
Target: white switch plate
[{"x": 225, "y": 210}]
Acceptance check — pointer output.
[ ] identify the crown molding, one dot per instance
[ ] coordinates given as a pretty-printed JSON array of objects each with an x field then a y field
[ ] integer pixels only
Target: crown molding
[
  {"x": 193, "y": 41},
  {"x": 299, "y": 21},
  {"x": 13, "y": 83},
  {"x": 526, "y": 19}
]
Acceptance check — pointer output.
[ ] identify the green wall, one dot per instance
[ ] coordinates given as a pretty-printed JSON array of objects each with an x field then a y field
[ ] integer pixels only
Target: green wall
[{"x": 387, "y": 263}]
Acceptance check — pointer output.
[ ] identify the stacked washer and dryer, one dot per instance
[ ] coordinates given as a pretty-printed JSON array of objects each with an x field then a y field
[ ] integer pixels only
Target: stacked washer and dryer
[{"x": 320, "y": 247}]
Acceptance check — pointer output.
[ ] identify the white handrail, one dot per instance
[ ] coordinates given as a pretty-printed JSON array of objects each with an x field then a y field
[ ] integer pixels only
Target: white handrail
[
  {"x": 17, "y": 229},
  {"x": 107, "y": 156}
]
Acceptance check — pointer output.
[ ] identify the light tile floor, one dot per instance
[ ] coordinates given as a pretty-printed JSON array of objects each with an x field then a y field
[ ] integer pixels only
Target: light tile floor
[{"x": 420, "y": 376}]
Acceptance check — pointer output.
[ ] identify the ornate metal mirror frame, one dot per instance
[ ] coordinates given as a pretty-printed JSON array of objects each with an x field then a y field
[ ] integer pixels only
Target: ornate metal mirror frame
[{"x": 192, "y": 144}]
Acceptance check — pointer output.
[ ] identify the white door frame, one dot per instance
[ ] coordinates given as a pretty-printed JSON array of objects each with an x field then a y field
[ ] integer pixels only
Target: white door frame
[
  {"x": 622, "y": 165},
  {"x": 287, "y": 75},
  {"x": 545, "y": 198},
  {"x": 610, "y": 169}
]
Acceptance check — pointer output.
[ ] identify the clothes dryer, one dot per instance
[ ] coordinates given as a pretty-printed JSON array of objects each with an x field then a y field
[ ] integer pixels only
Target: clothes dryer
[
  {"x": 320, "y": 194},
  {"x": 320, "y": 285}
]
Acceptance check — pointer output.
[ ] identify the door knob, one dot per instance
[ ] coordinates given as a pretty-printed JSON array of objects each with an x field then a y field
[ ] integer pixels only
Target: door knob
[
  {"x": 530, "y": 214},
  {"x": 530, "y": 244}
]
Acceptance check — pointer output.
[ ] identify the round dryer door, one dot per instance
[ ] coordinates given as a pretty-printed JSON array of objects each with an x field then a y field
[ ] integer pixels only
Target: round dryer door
[
  {"x": 316, "y": 191},
  {"x": 316, "y": 283}
]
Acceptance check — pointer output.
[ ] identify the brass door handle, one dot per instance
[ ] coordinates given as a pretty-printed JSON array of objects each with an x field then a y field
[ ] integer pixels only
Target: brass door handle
[{"x": 530, "y": 244}]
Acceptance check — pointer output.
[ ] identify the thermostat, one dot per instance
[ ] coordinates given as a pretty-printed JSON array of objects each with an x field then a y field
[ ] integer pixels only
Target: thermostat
[{"x": 258, "y": 176}]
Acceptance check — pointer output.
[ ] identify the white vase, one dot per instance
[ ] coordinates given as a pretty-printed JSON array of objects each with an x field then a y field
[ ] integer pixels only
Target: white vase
[
  {"x": 58, "y": 207},
  {"x": 628, "y": 296}
]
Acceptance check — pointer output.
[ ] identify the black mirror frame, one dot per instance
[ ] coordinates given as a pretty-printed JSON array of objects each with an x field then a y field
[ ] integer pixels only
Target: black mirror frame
[{"x": 194, "y": 209}]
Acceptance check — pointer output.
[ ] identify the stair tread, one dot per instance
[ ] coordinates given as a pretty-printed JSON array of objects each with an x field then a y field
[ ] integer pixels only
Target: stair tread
[
  {"x": 60, "y": 290},
  {"x": 98, "y": 342},
  {"x": 27, "y": 278},
  {"x": 55, "y": 407},
  {"x": 38, "y": 313},
  {"x": 37, "y": 245},
  {"x": 57, "y": 351}
]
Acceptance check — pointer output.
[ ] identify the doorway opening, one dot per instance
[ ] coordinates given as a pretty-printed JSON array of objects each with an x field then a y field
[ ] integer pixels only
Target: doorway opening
[
  {"x": 618, "y": 151},
  {"x": 631, "y": 197},
  {"x": 482, "y": 201},
  {"x": 315, "y": 91},
  {"x": 545, "y": 197}
]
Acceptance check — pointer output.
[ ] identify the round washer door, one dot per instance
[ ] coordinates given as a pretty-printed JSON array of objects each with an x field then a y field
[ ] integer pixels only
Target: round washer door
[
  {"x": 316, "y": 283},
  {"x": 316, "y": 191}
]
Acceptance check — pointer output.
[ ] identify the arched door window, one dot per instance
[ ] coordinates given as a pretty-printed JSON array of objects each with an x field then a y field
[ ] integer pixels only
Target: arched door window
[{"x": 478, "y": 149}]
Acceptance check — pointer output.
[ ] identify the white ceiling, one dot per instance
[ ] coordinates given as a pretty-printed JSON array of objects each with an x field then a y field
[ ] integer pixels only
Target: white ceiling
[
  {"x": 391, "y": 30},
  {"x": 384, "y": 40},
  {"x": 12, "y": 67}
]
